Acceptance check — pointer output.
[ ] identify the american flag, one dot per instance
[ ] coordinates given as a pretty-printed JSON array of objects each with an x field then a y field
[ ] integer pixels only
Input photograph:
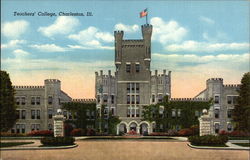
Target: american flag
[{"x": 143, "y": 13}]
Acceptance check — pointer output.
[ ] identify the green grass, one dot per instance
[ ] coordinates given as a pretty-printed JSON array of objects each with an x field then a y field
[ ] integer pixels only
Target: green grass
[
  {"x": 243, "y": 144},
  {"x": 125, "y": 138},
  {"x": 239, "y": 138},
  {"x": 11, "y": 144},
  {"x": 221, "y": 145}
]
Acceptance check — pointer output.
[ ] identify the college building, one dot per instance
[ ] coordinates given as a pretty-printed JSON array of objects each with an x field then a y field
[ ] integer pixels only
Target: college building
[{"x": 132, "y": 86}]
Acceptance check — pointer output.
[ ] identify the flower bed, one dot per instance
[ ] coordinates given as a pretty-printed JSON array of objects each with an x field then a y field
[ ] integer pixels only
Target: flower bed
[
  {"x": 57, "y": 141},
  {"x": 41, "y": 133},
  {"x": 208, "y": 140},
  {"x": 7, "y": 134}
]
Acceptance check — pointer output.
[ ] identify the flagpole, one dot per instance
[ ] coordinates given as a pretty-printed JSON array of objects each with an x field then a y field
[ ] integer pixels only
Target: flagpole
[{"x": 147, "y": 19}]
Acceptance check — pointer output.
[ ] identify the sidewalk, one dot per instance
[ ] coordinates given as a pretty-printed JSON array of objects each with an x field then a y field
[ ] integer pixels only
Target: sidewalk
[{"x": 229, "y": 144}]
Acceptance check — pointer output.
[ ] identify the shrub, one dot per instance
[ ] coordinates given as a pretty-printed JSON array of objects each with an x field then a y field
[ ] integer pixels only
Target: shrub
[
  {"x": 40, "y": 133},
  {"x": 57, "y": 141},
  {"x": 7, "y": 134},
  {"x": 172, "y": 132},
  {"x": 67, "y": 129},
  {"x": 238, "y": 134},
  {"x": 208, "y": 140},
  {"x": 185, "y": 132},
  {"x": 77, "y": 132},
  {"x": 195, "y": 129},
  {"x": 90, "y": 132},
  {"x": 158, "y": 134},
  {"x": 121, "y": 133}
]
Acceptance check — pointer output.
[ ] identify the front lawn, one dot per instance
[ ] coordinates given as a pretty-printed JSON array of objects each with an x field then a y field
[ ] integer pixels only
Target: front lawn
[
  {"x": 243, "y": 144},
  {"x": 11, "y": 144},
  {"x": 126, "y": 138}
]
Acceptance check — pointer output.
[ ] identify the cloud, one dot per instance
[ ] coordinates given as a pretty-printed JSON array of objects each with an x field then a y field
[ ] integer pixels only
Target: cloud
[
  {"x": 127, "y": 28},
  {"x": 167, "y": 32},
  {"x": 13, "y": 44},
  {"x": 92, "y": 38},
  {"x": 49, "y": 48},
  {"x": 218, "y": 36},
  {"x": 20, "y": 54},
  {"x": 194, "y": 46},
  {"x": 62, "y": 25},
  {"x": 206, "y": 20},
  {"x": 89, "y": 47},
  {"x": 14, "y": 29}
]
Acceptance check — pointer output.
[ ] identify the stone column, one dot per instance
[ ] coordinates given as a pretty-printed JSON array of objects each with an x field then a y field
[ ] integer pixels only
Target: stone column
[
  {"x": 138, "y": 129},
  {"x": 206, "y": 124},
  {"x": 59, "y": 124}
]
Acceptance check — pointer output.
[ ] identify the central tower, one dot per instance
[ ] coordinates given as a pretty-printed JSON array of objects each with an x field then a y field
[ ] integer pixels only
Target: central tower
[{"x": 132, "y": 60}]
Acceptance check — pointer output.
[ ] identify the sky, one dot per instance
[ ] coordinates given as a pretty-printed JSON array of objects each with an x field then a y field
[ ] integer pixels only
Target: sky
[{"x": 196, "y": 40}]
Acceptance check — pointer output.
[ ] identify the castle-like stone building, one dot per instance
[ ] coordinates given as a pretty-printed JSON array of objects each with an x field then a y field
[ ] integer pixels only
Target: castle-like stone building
[{"x": 123, "y": 94}]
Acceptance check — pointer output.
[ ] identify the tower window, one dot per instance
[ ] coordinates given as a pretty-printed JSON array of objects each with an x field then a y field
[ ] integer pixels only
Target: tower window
[
  {"x": 128, "y": 68},
  {"x": 229, "y": 113},
  {"x": 216, "y": 113},
  {"x": 137, "y": 87},
  {"x": 50, "y": 100},
  {"x": 137, "y": 67},
  {"x": 137, "y": 99},
  {"x": 216, "y": 99},
  {"x": 153, "y": 98}
]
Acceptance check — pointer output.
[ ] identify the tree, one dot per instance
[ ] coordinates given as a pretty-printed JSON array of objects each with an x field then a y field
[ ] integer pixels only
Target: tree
[
  {"x": 7, "y": 103},
  {"x": 241, "y": 113}
]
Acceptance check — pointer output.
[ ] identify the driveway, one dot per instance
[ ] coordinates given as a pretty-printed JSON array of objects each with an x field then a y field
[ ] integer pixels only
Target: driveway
[{"x": 127, "y": 150}]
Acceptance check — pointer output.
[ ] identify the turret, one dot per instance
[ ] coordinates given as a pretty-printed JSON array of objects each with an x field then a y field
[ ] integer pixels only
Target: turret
[
  {"x": 118, "y": 47},
  {"x": 146, "y": 34},
  {"x": 214, "y": 86}
]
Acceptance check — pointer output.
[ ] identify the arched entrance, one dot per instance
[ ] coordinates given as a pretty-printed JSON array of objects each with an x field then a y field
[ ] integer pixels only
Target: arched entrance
[
  {"x": 122, "y": 128},
  {"x": 133, "y": 126},
  {"x": 144, "y": 128}
]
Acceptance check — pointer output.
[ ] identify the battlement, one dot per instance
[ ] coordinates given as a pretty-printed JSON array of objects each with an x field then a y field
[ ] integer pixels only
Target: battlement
[
  {"x": 215, "y": 79},
  {"x": 103, "y": 75},
  {"x": 133, "y": 42},
  {"x": 28, "y": 87},
  {"x": 132, "y": 46},
  {"x": 91, "y": 100},
  {"x": 189, "y": 99},
  {"x": 232, "y": 85},
  {"x": 52, "y": 81},
  {"x": 163, "y": 74}
]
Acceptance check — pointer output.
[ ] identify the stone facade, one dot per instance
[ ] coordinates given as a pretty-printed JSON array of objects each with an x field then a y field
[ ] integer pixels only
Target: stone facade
[
  {"x": 224, "y": 98},
  {"x": 132, "y": 86},
  {"x": 36, "y": 106}
]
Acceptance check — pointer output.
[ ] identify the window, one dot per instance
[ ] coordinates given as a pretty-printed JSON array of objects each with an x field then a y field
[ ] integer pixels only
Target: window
[
  {"x": 161, "y": 111},
  {"x": 17, "y": 128},
  {"x": 153, "y": 98},
  {"x": 137, "y": 87},
  {"x": 128, "y": 87},
  {"x": 106, "y": 112},
  {"x": 217, "y": 127},
  {"x": 229, "y": 127},
  {"x": 133, "y": 99},
  {"x": 105, "y": 98},
  {"x": 133, "y": 87},
  {"x": 33, "y": 127},
  {"x": 50, "y": 127},
  {"x": 37, "y": 114},
  {"x": 33, "y": 99},
  {"x": 50, "y": 100},
  {"x": 229, "y": 99},
  {"x": 50, "y": 112},
  {"x": 112, "y": 99},
  {"x": 137, "y": 67},
  {"x": 137, "y": 99},
  {"x": 70, "y": 115},
  {"x": 179, "y": 113},
  {"x": 128, "y": 112},
  {"x": 128, "y": 68},
  {"x": 216, "y": 99},
  {"x": 128, "y": 99},
  {"x": 235, "y": 99},
  {"x": 98, "y": 99},
  {"x": 12, "y": 130},
  {"x": 93, "y": 115},
  {"x": 37, "y": 127},
  {"x": 23, "y": 114},
  {"x": 65, "y": 114},
  {"x": 216, "y": 113},
  {"x": 38, "y": 100},
  {"x": 17, "y": 100},
  {"x": 23, "y": 100},
  {"x": 23, "y": 128},
  {"x": 173, "y": 113},
  {"x": 132, "y": 112},
  {"x": 33, "y": 114},
  {"x": 229, "y": 113},
  {"x": 112, "y": 111},
  {"x": 160, "y": 98},
  {"x": 17, "y": 114},
  {"x": 137, "y": 112}
]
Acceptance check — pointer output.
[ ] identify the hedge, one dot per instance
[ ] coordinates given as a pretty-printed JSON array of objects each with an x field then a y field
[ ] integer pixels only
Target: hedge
[
  {"x": 57, "y": 141},
  {"x": 41, "y": 133},
  {"x": 208, "y": 140}
]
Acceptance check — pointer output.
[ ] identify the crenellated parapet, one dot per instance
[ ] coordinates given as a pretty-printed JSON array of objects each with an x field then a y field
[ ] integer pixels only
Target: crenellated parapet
[
  {"x": 91, "y": 100},
  {"x": 101, "y": 75},
  {"x": 52, "y": 81},
  {"x": 231, "y": 85},
  {"x": 133, "y": 46},
  {"x": 164, "y": 73},
  {"x": 190, "y": 99},
  {"x": 28, "y": 87},
  {"x": 215, "y": 79},
  {"x": 133, "y": 42}
]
